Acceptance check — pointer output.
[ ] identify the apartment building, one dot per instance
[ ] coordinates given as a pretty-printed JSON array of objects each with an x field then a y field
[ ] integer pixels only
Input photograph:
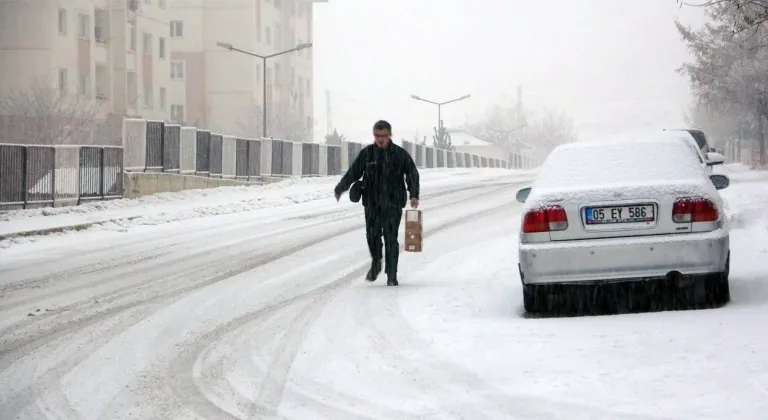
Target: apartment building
[
  {"x": 114, "y": 51},
  {"x": 223, "y": 90}
]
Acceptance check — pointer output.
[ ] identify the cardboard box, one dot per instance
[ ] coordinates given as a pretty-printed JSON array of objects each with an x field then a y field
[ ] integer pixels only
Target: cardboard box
[{"x": 413, "y": 231}]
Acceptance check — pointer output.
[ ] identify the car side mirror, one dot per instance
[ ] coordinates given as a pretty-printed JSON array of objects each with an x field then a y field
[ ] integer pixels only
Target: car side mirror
[
  {"x": 714, "y": 158},
  {"x": 720, "y": 181},
  {"x": 522, "y": 194}
]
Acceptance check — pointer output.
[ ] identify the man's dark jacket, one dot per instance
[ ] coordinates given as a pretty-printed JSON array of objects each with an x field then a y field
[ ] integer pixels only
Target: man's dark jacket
[{"x": 383, "y": 170}]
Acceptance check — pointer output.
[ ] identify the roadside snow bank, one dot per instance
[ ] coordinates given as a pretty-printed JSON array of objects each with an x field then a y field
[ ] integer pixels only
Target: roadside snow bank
[
  {"x": 168, "y": 207},
  {"x": 746, "y": 198}
]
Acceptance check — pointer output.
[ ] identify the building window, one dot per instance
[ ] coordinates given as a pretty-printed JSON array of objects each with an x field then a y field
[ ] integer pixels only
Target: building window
[
  {"x": 177, "y": 70},
  {"x": 268, "y": 35},
  {"x": 177, "y": 29},
  {"x": 269, "y": 76},
  {"x": 83, "y": 26},
  {"x": 293, "y": 76},
  {"x": 100, "y": 25},
  {"x": 63, "y": 81},
  {"x": 301, "y": 86},
  {"x": 161, "y": 53},
  {"x": 146, "y": 44},
  {"x": 132, "y": 38},
  {"x": 84, "y": 85},
  {"x": 148, "y": 96},
  {"x": 161, "y": 4},
  {"x": 177, "y": 113},
  {"x": 162, "y": 98},
  {"x": 62, "y": 22}
]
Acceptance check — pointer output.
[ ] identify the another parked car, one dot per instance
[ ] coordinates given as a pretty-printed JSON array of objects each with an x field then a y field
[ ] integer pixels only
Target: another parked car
[
  {"x": 641, "y": 214},
  {"x": 711, "y": 156}
]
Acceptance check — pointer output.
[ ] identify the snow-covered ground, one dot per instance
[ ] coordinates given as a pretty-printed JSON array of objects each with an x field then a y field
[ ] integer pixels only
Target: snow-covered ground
[
  {"x": 192, "y": 204},
  {"x": 237, "y": 316}
]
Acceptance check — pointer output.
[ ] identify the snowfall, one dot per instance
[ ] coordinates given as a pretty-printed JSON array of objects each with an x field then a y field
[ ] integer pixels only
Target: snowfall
[{"x": 242, "y": 303}]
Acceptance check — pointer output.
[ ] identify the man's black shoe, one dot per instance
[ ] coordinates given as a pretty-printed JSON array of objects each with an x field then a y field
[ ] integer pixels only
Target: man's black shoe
[
  {"x": 374, "y": 271},
  {"x": 392, "y": 280}
]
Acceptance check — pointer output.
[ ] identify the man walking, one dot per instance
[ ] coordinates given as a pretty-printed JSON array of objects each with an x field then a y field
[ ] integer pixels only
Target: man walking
[{"x": 383, "y": 166}]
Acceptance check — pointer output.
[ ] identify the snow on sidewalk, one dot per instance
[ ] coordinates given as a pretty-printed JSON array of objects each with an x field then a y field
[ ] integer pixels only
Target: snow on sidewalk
[{"x": 190, "y": 204}]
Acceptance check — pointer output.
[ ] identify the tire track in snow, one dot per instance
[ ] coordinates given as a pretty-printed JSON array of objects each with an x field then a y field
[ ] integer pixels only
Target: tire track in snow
[
  {"x": 29, "y": 345},
  {"x": 271, "y": 392},
  {"x": 68, "y": 313},
  {"x": 395, "y": 333},
  {"x": 185, "y": 239}
]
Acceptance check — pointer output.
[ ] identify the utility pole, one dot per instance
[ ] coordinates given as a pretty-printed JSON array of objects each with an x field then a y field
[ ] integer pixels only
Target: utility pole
[
  {"x": 440, "y": 106},
  {"x": 264, "y": 59}
]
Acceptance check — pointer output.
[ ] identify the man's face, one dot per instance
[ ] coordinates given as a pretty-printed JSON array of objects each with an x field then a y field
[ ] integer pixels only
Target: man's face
[{"x": 381, "y": 137}]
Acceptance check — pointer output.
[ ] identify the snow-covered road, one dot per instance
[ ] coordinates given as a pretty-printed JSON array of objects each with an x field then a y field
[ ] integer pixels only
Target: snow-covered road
[{"x": 242, "y": 317}]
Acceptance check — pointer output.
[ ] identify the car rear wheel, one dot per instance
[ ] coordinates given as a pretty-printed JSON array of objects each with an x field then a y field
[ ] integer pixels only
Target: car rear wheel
[
  {"x": 531, "y": 298},
  {"x": 718, "y": 290}
]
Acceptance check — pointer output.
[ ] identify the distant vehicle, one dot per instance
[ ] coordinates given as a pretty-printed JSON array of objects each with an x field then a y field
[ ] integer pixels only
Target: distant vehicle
[
  {"x": 706, "y": 159},
  {"x": 642, "y": 211},
  {"x": 711, "y": 154}
]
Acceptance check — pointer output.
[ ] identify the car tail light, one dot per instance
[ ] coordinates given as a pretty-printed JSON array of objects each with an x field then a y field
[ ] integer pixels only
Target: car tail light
[
  {"x": 545, "y": 219},
  {"x": 694, "y": 209}
]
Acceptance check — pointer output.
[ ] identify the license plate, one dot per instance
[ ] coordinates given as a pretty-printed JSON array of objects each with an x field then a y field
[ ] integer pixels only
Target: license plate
[{"x": 641, "y": 213}]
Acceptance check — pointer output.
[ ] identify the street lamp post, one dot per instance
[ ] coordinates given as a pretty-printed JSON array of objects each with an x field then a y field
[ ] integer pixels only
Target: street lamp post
[
  {"x": 439, "y": 106},
  {"x": 264, "y": 58}
]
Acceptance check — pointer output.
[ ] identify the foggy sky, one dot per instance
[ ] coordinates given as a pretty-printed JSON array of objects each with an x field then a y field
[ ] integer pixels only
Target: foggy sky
[{"x": 609, "y": 63}]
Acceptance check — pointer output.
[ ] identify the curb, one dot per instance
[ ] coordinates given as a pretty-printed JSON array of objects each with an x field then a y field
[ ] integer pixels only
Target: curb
[{"x": 59, "y": 229}]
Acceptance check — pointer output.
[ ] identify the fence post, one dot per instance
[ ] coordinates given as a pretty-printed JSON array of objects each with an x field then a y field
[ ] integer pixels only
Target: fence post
[
  {"x": 101, "y": 172},
  {"x": 296, "y": 155},
  {"x": 266, "y": 158},
  {"x": 135, "y": 144},
  {"x": 187, "y": 150}
]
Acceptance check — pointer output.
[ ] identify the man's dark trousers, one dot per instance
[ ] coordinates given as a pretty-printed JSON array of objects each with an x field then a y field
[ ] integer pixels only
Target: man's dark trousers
[{"x": 384, "y": 221}]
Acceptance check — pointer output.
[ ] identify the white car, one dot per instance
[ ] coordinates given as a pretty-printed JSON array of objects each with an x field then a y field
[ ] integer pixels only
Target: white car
[
  {"x": 709, "y": 155},
  {"x": 641, "y": 215}
]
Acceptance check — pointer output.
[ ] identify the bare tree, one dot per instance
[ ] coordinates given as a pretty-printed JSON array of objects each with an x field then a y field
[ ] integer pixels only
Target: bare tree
[
  {"x": 39, "y": 114},
  {"x": 739, "y": 17},
  {"x": 729, "y": 73},
  {"x": 548, "y": 130},
  {"x": 518, "y": 130}
]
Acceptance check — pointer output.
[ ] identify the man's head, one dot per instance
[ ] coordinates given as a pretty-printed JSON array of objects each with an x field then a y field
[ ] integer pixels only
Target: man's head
[{"x": 382, "y": 133}]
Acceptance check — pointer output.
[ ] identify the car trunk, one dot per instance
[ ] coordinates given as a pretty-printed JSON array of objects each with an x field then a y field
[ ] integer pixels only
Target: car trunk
[{"x": 612, "y": 211}]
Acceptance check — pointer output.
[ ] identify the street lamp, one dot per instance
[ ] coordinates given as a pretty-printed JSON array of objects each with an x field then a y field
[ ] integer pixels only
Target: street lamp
[
  {"x": 439, "y": 106},
  {"x": 264, "y": 58}
]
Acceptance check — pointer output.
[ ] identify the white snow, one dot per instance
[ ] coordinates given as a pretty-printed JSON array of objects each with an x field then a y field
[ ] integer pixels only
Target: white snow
[
  {"x": 645, "y": 167},
  {"x": 238, "y": 316},
  {"x": 168, "y": 207}
]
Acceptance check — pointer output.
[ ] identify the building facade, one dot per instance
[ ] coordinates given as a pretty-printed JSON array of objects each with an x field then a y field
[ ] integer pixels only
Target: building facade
[
  {"x": 223, "y": 90},
  {"x": 113, "y": 53}
]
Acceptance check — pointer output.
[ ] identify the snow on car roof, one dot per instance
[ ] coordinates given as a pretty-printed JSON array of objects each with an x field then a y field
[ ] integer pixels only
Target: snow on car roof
[{"x": 620, "y": 162}]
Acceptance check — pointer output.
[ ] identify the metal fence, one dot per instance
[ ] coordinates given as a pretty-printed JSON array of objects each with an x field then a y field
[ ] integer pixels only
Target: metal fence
[{"x": 45, "y": 176}]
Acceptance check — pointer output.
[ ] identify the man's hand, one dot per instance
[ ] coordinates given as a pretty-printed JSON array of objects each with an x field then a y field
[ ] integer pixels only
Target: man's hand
[
  {"x": 414, "y": 202},
  {"x": 338, "y": 195}
]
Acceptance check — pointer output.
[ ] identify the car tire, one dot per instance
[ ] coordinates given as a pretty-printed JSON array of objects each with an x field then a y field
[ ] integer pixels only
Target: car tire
[
  {"x": 719, "y": 290},
  {"x": 531, "y": 298}
]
